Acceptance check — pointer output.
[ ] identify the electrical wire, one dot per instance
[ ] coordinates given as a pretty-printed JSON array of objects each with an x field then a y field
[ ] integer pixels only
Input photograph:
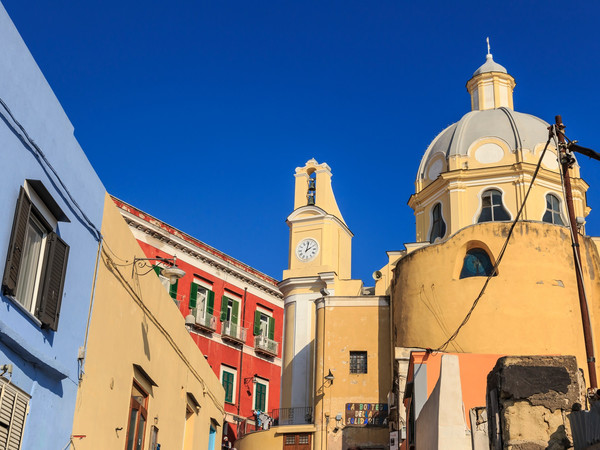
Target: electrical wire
[
  {"x": 26, "y": 139},
  {"x": 444, "y": 346}
]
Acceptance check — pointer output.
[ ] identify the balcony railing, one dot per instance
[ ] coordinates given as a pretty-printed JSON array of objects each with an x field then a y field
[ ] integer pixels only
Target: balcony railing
[
  {"x": 231, "y": 330},
  {"x": 292, "y": 416},
  {"x": 204, "y": 319},
  {"x": 265, "y": 345},
  {"x": 179, "y": 299}
]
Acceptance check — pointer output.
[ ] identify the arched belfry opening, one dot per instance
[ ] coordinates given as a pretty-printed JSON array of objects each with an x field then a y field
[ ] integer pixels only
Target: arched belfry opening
[{"x": 312, "y": 186}]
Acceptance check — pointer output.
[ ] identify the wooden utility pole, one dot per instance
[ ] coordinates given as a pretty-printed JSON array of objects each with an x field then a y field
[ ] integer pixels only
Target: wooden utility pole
[{"x": 567, "y": 160}]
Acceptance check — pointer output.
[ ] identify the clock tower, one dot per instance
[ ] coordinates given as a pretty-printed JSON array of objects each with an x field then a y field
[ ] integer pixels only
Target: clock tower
[{"x": 319, "y": 265}]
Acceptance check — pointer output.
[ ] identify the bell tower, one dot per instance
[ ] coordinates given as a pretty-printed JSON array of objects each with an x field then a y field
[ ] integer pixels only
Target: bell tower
[{"x": 319, "y": 264}]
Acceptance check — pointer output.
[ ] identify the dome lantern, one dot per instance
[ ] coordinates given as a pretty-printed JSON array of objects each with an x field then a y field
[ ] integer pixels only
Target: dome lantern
[{"x": 491, "y": 86}]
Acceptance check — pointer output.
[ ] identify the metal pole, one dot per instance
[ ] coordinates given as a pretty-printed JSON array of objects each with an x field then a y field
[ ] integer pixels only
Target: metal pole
[{"x": 567, "y": 161}]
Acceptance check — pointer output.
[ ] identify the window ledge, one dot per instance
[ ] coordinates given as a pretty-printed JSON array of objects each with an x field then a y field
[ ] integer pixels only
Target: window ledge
[
  {"x": 25, "y": 311},
  {"x": 25, "y": 350}
]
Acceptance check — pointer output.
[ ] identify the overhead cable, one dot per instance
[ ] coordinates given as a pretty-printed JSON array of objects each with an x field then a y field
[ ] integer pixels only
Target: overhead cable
[
  {"x": 444, "y": 346},
  {"x": 29, "y": 142}
]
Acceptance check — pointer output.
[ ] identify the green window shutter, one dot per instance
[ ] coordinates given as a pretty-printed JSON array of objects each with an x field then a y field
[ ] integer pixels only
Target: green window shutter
[
  {"x": 256, "y": 323},
  {"x": 210, "y": 302},
  {"x": 224, "y": 302},
  {"x": 271, "y": 328},
  {"x": 173, "y": 290},
  {"x": 157, "y": 270},
  {"x": 261, "y": 394},
  {"x": 234, "y": 312},
  {"x": 193, "y": 295},
  {"x": 228, "y": 386}
]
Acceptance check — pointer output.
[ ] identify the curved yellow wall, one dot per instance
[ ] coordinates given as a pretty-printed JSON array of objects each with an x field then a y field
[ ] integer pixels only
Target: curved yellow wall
[{"x": 531, "y": 307}]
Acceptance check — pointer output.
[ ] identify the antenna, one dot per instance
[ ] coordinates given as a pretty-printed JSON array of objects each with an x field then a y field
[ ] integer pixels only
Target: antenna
[{"x": 487, "y": 39}]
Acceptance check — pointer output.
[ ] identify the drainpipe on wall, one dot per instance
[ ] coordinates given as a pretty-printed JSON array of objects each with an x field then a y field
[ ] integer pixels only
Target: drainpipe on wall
[{"x": 239, "y": 398}]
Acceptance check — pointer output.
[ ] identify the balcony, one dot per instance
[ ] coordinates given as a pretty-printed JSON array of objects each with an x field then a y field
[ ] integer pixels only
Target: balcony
[
  {"x": 204, "y": 320},
  {"x": 233, "y": 332},
  {"x": 265, "y": 345},
  {"x": 178, "y": 299},
  {"x": 292, "y": 416}
]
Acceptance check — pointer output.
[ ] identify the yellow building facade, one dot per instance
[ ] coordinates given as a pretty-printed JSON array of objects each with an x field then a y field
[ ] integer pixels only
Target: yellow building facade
[
  {"x": 337, "y": 346},
  {"x": 347, "y": 347},
  {"x": 143, "y": 379},
  {"x": 470, "y": 185}
]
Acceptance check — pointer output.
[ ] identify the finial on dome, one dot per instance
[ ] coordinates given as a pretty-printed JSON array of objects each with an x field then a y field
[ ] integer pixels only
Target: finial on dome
[{"x": 487, "y": 39}]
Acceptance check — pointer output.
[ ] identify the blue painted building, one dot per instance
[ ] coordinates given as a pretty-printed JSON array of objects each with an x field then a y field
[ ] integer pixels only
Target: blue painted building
[{"x": 52, "y": 202}]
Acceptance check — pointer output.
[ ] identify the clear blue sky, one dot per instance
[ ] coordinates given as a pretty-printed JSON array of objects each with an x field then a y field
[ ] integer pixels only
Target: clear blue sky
[{"x": 198, "y": 112}]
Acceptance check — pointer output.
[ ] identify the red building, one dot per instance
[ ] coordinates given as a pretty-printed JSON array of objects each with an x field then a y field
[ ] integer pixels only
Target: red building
[{"x": 233, "y": 312}]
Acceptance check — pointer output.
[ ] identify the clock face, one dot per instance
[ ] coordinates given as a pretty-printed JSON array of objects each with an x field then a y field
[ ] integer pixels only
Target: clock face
[{"x": 307, "y": 249}]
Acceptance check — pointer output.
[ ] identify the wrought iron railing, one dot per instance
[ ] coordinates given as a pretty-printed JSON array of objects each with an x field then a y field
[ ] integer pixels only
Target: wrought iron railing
[
  {"x": 292, "y": 416},
  {"x": 204, "y": 319},
  {"x": 233, "y": 331},
  {"x": 266, "y": 345}
]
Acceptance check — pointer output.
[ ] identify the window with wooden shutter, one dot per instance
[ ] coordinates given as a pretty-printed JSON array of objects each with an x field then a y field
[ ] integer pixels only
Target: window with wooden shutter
[
  {"x": 260, "y": 396},
  {"x": 224, "y": 308},
  {"x": 13, "y": 412},
  {"x": 36, "y": 263},
  {"x": 210, "y": 302},
  {"x": 55, "y": 269},
  {"x": 193, "y": 295},
  {"x": 173, "y": 290},
  {"x": 17, "y": 240},
  {"x": 271, "y": 328},
  {"x": 257, "y": 315},
  {"x": 228, "y": 380}
]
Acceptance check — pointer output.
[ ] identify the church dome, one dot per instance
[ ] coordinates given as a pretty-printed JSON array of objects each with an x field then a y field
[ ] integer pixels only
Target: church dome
[
  {"x": 490, "y": 66},
  {"x": 518, "y": 130}
]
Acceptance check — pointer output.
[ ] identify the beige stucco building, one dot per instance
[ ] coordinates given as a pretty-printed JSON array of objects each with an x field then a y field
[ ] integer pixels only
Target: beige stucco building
[
  {"x": 143, "y": 379},
  {"x": 470, "y": 187},
  {"x": 337, "y": 354}
]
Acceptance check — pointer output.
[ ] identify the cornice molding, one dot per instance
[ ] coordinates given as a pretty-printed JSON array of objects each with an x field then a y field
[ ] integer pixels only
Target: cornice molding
[{"x": 205, "y": 257}]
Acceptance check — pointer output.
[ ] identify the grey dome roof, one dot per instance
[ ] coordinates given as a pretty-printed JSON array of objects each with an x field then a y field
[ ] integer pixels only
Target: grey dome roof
[
  {"x": 490, "y": 66},
  {"x": 518, "y": 130}
]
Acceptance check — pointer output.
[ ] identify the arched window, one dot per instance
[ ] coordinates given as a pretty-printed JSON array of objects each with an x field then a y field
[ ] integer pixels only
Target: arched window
[
  {"x": 492, "y": 209},
  {"x": 438, "y": 226},
  {"x": 477, "y": 263},
  {"x": 552, "y": 214}
]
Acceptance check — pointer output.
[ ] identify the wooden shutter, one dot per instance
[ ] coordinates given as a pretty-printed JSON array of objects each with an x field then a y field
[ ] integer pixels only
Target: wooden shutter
[
  {"x": 193, "y": 295},
  {"x": 15, "y": 246},
  {"x": 261, "y": 393},
  {"x": 271, "y": 328},
  {"x": 228, "y": 385},
  {"x": 224, "y": 302},
  {"x": 235, "y": 312},
  {"x": 53, "y": 281},
  {"x": 210, "y": 302},
  {"x": 256, "y": 323},
  {"x": 173, "y": 290},
  {"x": 13, "y": 412}
]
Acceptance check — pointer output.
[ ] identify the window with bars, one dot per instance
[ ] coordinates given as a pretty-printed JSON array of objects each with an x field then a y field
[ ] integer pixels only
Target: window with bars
[
  {"x": 13, "y": 412},
  {"x": 228, "y": 381},
  {"x": 358, "y": 362}
]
